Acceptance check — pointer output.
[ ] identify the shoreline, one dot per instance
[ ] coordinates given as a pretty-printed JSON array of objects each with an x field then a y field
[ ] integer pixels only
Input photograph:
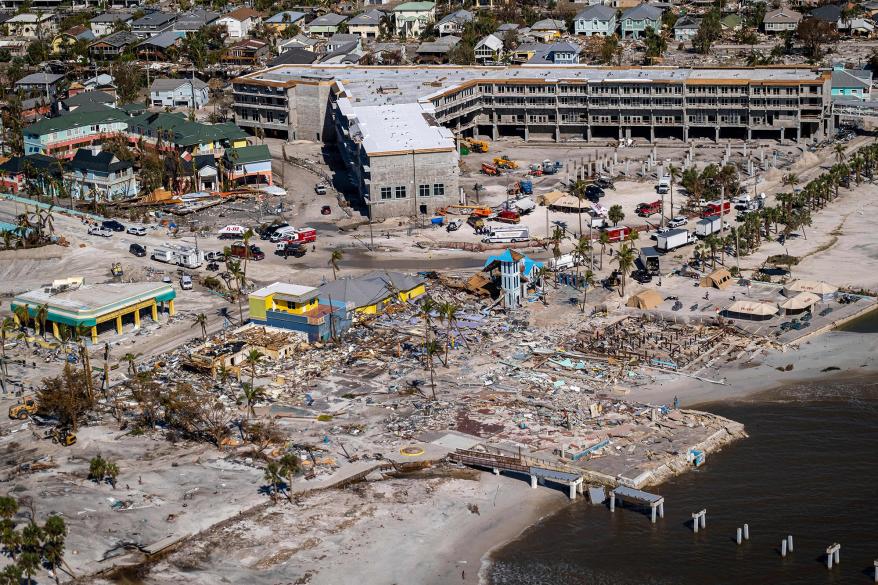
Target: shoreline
[{"x": 847, "y": 354}]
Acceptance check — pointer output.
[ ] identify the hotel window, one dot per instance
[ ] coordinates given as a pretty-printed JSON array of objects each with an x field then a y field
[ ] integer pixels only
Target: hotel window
[
  {"x": 400, "y": 192},
  {"x": 438, "y": 189},
  {"x": 385, "y": 192},
  {"x": 423, "y": 190}
]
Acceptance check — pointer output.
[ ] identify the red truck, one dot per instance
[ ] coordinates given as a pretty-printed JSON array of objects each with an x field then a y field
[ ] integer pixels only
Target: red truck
[
  {"x": 617, "y": 234},
  {"x": 647, "y": 209},
  {"x": 712, "y": 209}
]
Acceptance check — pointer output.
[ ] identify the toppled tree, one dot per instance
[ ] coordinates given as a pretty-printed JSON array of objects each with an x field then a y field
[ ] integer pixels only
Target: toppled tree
[{"x": 66, "y": 397}]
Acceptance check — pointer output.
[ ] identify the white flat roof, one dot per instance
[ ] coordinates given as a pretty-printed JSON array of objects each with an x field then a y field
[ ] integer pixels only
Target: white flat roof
[
  {"x": 393, "y": 128},
  {"x": 298, "y": 291}
]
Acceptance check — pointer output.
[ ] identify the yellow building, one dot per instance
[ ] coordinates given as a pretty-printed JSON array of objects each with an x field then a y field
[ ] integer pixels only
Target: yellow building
[
  {"x": 370, "y": 294},
  {"x": 293, "y": 299}
]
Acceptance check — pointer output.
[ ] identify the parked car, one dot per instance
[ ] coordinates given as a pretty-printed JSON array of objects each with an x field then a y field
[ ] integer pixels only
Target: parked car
[
  {"x": 99, "y": 231},
  {"x": 678, "y": 221},
  {"x": 137, "y": 250},
  {"x": 113, "y": 225},
  {"x": 594, "y": 192},
  {"x": 320, "y": 189},
  {"x": 641, "y": 276},
  {"x": 326, "y": 210},
  {"x": 654, "y": 235},
  {"x": 267, "y": 231},
  {"x": 215, "y": 256},
  {"x": 136, "y": 230},
  {"x": 166, "y": 279},
  {"x": 186, "y": 282}
]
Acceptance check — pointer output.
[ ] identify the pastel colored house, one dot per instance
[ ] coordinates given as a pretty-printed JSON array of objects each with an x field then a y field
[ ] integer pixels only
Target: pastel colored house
[
  {"x": 283, "y": 20},
  {"x": 781, "y": 20},
  {"x": 32, "y": 26},
  {"x": 18, "y": 170},
  {"x": 326, "y": 25},
  {"x": 248, "y": 165},
  {"x": 686, "y": 28},
  {"x": 68, "y": 39},
  {"x": 852, "y": 83},
  {"x": 175, "y": 132},
  {"x": 297, "y": 308},
  {"x": 153, "y": 23},
  {"x": 100, "y": 175},
  {"x": 561, "y": 53},
  {"x": 366, "y": 25},
  {"x": 412, "y": 18},
  {"x": 372, "y": 293},
  {"x": 63, "y": 135},
  {"x": 516, "y": 274},
  {"x": 104, "y": 24},
  {"x": 548, "y": 30},
  {"x": 636, "y": 20},
  {"x": 597, "y": 19},
  {"x": 179, "y": 93},
  {"x": 239, "y": 22},
  {"x": 40, "y": 84}
]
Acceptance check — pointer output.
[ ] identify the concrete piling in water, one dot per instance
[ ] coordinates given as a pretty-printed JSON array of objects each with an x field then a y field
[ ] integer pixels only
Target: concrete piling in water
[
  {"x": 612, "y": 502},
  {"x": 746, "y": 532},
  {"x": 699, "y": 518},
  {"x": 833, "y": 555},
  {"x": 783, "y": 547},
  {"x": 738, "y": 536},
  {"x": 876, "y": 571},
  {"x": 790, "y": 542}
]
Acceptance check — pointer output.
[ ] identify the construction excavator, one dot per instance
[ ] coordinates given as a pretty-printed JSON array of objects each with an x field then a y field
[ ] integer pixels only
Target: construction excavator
[
  {"x": 25, "y": 407},
  {"x": 116, "y": 269},
  {"x": 63, "y": 436}
]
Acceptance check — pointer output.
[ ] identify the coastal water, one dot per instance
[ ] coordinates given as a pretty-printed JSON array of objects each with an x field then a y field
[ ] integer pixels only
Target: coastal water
[{"x": 809, "y": 468}]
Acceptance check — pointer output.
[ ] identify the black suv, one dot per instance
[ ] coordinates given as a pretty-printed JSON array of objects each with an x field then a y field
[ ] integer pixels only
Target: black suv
[
  {"x": 641, "y": 276},
  {"x": 137, "y": 250},
  {"x": 269, "y": 230},
  {"x": 112, "y": 224}
]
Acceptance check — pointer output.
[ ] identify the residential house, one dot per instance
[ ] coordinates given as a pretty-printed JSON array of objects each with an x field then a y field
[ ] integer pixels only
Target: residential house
[
  {"x": 194, "y": 20},
  {"x": 206, "y": 173},
  {"x": 246, "y": 52},
  {"x": 35, "y": 108},
  {"x": 636, "y": 20},
  {"x": 248, "y": 165},
  {"x": 293, "y": 56},
  {"x": 297, "y": 308},
  {"x": 489, "y": 50},
  {"x": 862, "y": 27},
  {"x": 32, "y": 26},
  {"x": 87, "y": 100},
  {"x": 547, "y": 30},
  {"x": 490, "y": 4},
  {"x": 162, "y": 47},
  {"x": 781, "y": 20},
  {"x": 66, "y": 40},
  {"x": 851, "y": 83},
  {"x": 372, "y": 293},
  {"x": 339, "y": 40},
  {"x": 152, "y": 24},
  {"x": 561, "y": 53},
  {"x": 176, "y": 132},
  {"x": 526, "y": 51},
  {"x": 297, "y": 42},
  {"x": 597, "y": 19},
  {"x": 827, "y": 13},
  {"x": 179, "y": 93},
  {"x": 514, "y": 274},
  {"x": 436, "y": 52},
  {"x": 63, "y": 135},
  {"x": 284, "y": 20},
  {"x": 108, "y": 22},
  {"x": 366, "y": 25},
  {"x": 101, "y": 81},
  {"x": 96, "y": 174},
  {"x": 239, "y": 22},
  {"x": 18, "y": 170},
  {"x": 110, "y": 47},
  {"x": 40, "y": 84},
  {"x": 326, "y": 25},
  {"x": 17, "y": 47},
  {"x": 686, "y": 28},
  {"x": 413, "y": 18},
  {"x": 453, "y": 24}
]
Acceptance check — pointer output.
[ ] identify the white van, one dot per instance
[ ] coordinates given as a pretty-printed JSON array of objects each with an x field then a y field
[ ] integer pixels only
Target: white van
[{"x": 506, "y": 235}]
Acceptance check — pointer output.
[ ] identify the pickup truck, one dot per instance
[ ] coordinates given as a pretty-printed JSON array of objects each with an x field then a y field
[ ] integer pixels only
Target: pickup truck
[
  {"x": 320, "y": 189},
  {"x": 99, "y": 231},
  {"x": 240, "y": 251}
]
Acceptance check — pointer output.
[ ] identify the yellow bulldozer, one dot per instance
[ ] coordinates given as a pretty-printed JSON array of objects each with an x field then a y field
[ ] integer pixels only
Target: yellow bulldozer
[
  {"x": 62, "y": 436},
  {"x": 476, "y": 145},
  {"x": 25, "y": 407},
  {"x": 503, "y": 162}
]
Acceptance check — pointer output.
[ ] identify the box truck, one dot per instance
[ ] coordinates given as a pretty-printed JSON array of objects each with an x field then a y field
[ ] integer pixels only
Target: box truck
[
  {"x": 708, "y": 226},
  {"x": 502, "y": 235},
  {"x": 650, "y": 259},
  {"x": 673, "y": 239}
]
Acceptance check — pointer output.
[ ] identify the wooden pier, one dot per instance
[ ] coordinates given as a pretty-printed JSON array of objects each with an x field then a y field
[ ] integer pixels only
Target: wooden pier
[
  {"x": 655, "y": 502},
  {"x": 540, "y": 472}
]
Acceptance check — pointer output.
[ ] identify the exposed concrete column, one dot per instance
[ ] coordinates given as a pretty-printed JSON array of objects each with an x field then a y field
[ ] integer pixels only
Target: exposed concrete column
[
  {"x": 533, "y": 481},
  {"x": 653, "y": 514},
  {"x": 749, "y": 133},
  {"x": 526, "y": 134},
  {"x": 55, "y": 331},
  {"x": 171, "y": 307},
  {"x": 155, "y": 311},
  {"x": 588, "y": 133},
  {"x": 496, "y": 471},
  {"x": 119, "y": 324},
  {"x": 494, "y": 132},
  {"x": 717, "y": 134},
  {"x": 94, "y": 334},
  {"x": 651, "y": 134},
  {"x": 685, "y": 133},
  {"x": 573, "y": 490},
  {"x": 137, "y": 318}
]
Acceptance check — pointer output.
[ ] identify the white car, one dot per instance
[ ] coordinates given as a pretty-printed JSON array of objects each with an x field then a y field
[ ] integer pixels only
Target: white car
[
  {"x": 320, "y": 189},
  {"x": 136, "y": 230},
  {"x": 677, "y": 221},
  {"x": 99, "y": 231},
  {"x": 186, "y": 282},
  {"x": 654, "y": 235}
]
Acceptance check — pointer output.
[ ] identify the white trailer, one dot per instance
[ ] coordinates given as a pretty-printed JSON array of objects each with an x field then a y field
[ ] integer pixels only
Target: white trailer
[
  {"x": 673, "y": 239},
  {"x": 708, "y": 226},
  {"x": 505, "y": 235},
  {"x": 189, "y": 257},
  {"x": 562, "y": 262},
  {"x": 164, "y": 254}
]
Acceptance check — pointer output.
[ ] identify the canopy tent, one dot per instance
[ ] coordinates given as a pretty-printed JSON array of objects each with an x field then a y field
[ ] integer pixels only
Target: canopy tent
[
  {"x": 823, "y": 290},
  {"x": 551, "y": 197},
  {"x": 752, "y": 310},
  {"x": 645, "y": 300},
  {"x": 800, "y": 303},
  {"x": 570, "y": 204},
  {"x": 720, "y": 278}
]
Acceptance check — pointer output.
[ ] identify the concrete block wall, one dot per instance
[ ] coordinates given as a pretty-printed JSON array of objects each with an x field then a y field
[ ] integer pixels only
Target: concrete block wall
[
  {"x": 411, "y": 171},
  {"x": 307, "y": 106}
]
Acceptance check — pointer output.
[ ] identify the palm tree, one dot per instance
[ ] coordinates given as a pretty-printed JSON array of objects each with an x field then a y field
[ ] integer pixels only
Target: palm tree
[
  {"x": 581, "y": 252},
  {"x": 588, "y": 280},
  {"x": 334, "y": 258},
  {"x": 430, "y": 349},
  {"x": 712, "y": 242},
  {"x": 674, "y": 175},
  {"x": 604, "y": 241},
  {"x": 557, "y": 236},
  {"x": 131, "y": 358},
  {"x": 448, "y": 312},
  {"x": 290, "y": 465},
  {"x": 273, "y": 477},
  {"x": 253, "y": 357},
  {"x": 22, "y": 314},
  {"x": 251, "y": 395},
  {"x": 625, "y": 260},
  {"x": 840, "y": 153},
  {"x": 577, "y": 189},
  {"x": 6, "y": 327},
  {"x": 201, "y": 319}
]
